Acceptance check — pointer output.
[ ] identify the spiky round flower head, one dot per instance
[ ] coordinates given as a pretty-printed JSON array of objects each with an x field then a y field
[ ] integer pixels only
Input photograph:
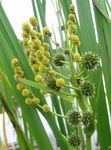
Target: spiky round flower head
[
  {"x": 71, "y": 8},
  {"x": 51, "y": 83},
  {"x": 73, "y": 117},
  {"x": 72, "y": 28},
  {"x": 89, "y": 61},
  {"x": 86, "y": 118},
  {"x": 58, "y": 60},
  {"x": 74, "y": 39},
  {"x": 28, "y": 101},
  {"x": 36, "y": 44},
  {"x": 60, "y": 82},
  {"x": 46, "y": 46},
  {"x": 76, "y": 57},
  {"x": 35, "y": 100},
  {"x": 15, "y": 62},
  {"x": 26, "y": 27},
  {"x": 46, "y": 31},
  {"x": 25, "y": 92},
  {"x": 33, "y": 21},
  {"x": 39, "y": 78},
  {"x": 46, "y": 108},
  {"x": 20, "y": 86},
  {"x": 74, "y": 140},
  {"x": 87, "y": 88},
  {"x": 25, "y": 41},
  {"x": 72, "y": 17}
]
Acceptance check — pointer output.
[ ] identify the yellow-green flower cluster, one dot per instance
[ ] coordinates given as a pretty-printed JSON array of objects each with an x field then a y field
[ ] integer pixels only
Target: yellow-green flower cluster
[
  {"x": 25, "y": 91},
  {"x": 72, "y": 28},
  {"x": 18, "y": 73},
  {"x": 38, "y": 50}
]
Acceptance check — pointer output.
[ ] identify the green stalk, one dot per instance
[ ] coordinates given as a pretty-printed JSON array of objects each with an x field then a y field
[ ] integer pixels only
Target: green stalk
[{"x": 88, "y": 142}]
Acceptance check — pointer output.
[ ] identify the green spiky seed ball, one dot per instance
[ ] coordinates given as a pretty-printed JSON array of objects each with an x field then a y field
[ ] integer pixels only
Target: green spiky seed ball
[
  {"x": 89, "y": 61},
  {"x": 73, "y": 117},
  {"x": 86, "y": 118},
  {"x": 87, "y": 88},
  {"x": 74, "y": 140},
  {"x": 58, "y": 60}
]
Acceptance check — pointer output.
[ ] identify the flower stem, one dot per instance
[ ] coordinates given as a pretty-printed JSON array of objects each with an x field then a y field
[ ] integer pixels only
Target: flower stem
[{"x": 88, "y": 142}]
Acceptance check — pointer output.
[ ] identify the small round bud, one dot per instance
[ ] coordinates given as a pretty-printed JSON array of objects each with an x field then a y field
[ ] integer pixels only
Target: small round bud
[
  {"x": 28, "y": 101},
  {"x": 25, "y": 41},
  {"x": 15, "y": 62},
  {"x": 46, "y": 46},
  {"x": 71, "y": 8},
  {"x": 25, "y": 34},
  {"x": 36, "y": 44},
  {"x": 39, "y": 78},
  {"x": 72, "y": 28},
  {"x": 74, "y": 39},
  {"x": 76, "y": 57},
  {"x": 52, "y": 73},
  {"x": 69, "y": 22},
  {"x": 72, "y": 17},
  {"x": 45, "y": 60},
  {"x": 39, "y": 35},
  {"x": 35, "y": 100},
  {"x": 46, "y": 31},
  {"x": 41, "y": 68},
  {"x": 33, "y": 21},
  {"x": 46, "y": 108},
  {"x": 26, "y": 27},
  {"x": 60, "y": 82},
  {"x": 33, "y": 34},
  {"x": 20, "y": 86},
  {"x": 25, "y": 92}
]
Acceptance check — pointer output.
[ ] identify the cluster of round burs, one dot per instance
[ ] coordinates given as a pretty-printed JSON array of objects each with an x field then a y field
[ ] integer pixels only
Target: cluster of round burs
[{"x": 76, "y": 118}]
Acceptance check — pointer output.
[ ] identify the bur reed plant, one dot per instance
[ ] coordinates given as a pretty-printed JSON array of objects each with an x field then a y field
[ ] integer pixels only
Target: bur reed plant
[
  {"x": 45, "y": 66},
  {"x": 70, "y": 73}
]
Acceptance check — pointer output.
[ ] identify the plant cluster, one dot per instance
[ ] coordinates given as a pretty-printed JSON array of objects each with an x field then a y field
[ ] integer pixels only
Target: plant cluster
[{"x": 45, "y": 68}]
